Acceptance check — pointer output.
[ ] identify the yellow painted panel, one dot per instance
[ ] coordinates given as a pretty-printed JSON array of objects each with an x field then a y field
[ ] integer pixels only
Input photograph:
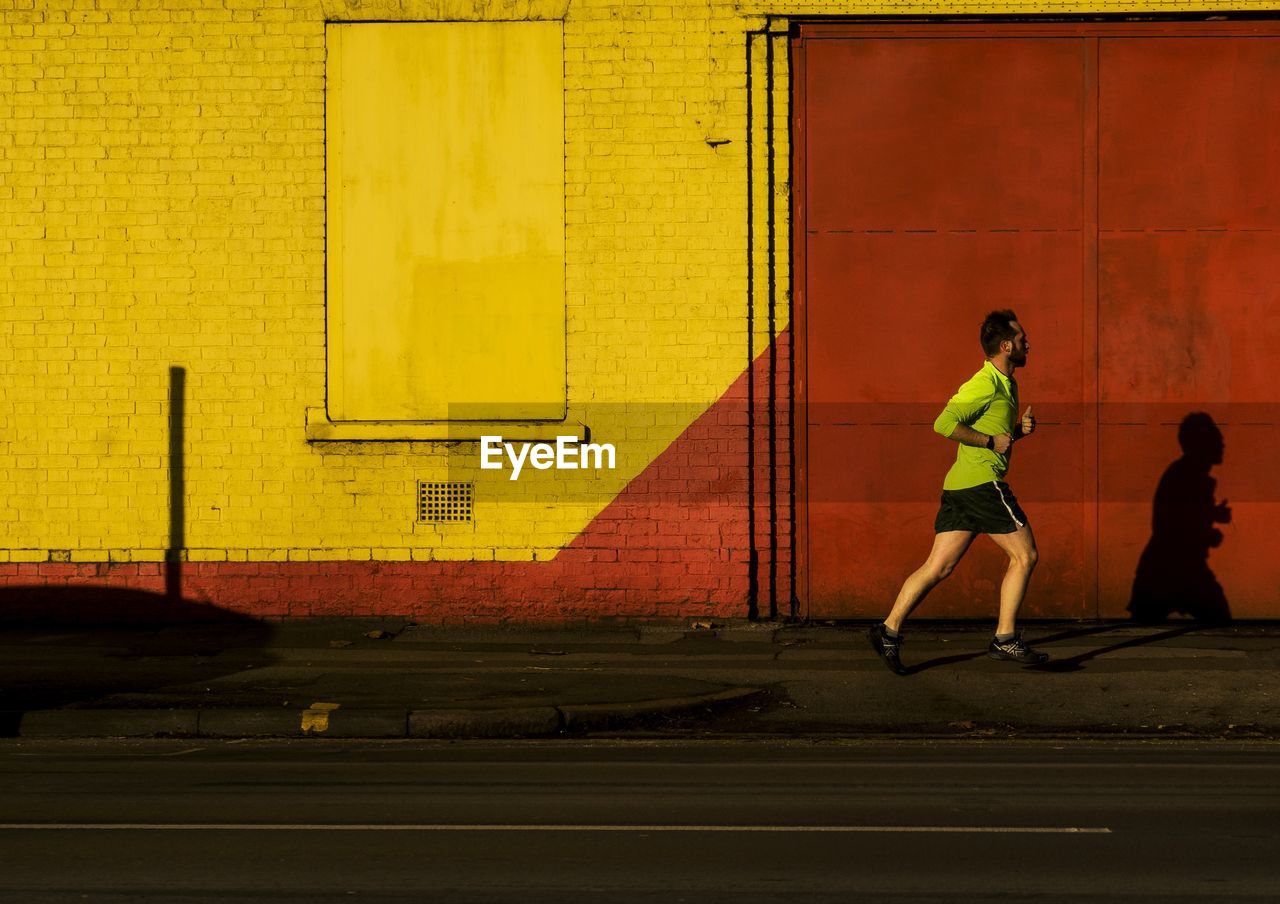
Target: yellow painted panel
[{"x": 446, "y": 227}]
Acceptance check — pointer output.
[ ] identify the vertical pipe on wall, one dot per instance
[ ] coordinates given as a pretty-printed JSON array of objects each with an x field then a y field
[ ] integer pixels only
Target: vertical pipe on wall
[
  {"x": 773, "y": 331},
  {"x": 792, "y": 596},
  {"x": 753, "y": 590}
]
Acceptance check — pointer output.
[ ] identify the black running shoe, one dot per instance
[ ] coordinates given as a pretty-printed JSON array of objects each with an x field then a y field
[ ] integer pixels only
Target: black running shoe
[
  {"x": 888, "y": 648},
  {"x": 1014, "y": 650}
]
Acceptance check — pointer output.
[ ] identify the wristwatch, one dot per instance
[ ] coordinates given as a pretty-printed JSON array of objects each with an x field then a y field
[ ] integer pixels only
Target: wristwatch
[{"x": 991, "y": 442}]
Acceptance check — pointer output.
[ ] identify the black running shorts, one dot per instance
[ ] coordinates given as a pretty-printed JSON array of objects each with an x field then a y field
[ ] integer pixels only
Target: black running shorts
[{"x": 988, "y": 508}]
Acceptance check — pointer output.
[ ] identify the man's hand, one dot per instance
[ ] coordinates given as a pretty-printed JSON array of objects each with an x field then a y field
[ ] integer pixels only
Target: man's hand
[
  {"x": 1000, "y": 442},
  {"x": 1028, "y": 422}
]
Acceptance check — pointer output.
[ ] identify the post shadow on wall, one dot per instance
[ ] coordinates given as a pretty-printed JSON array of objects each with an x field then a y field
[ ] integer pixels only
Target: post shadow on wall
[
  {"x": 177, "y": 485},
  {"x": 1173, "y": 577},
  {"x": 74, "y": 644}
]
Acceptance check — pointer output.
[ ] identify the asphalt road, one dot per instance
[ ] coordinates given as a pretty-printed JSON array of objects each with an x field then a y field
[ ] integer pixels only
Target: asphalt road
[{"x": 638, "y": 821}]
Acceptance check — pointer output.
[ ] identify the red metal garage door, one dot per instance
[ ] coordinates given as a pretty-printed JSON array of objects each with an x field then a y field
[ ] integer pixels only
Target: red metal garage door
[
  {"x": 1189, "y": 310},
  {"x": 1112, "y": 183}
]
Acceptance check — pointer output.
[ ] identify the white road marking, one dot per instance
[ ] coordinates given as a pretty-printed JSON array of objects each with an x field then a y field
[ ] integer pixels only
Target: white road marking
[{"x": 498, "y": 827}]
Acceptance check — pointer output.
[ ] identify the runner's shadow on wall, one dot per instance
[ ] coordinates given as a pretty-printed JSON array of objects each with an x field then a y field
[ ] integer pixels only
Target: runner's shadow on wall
[
  {"x": 1173, "y": 575},
  {"x": 78, "y": 645}
]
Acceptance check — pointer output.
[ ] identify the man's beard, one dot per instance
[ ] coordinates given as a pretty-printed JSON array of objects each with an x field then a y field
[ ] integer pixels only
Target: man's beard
[{"x": 1019, "y": 361}]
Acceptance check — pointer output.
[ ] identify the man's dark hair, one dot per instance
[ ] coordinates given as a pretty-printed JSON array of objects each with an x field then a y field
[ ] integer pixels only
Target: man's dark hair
[{"x": 996, "y": 329}]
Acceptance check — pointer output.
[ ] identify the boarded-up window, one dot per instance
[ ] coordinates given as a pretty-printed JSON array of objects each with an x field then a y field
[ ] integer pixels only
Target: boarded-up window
[{"x": 445, "y": 221}]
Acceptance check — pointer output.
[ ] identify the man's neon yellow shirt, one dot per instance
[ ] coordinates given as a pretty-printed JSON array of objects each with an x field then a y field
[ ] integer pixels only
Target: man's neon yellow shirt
[{"x": 987, "y": 402}]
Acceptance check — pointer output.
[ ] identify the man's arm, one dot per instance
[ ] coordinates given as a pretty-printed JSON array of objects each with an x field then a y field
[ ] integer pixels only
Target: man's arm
[
  {"x": 965, "y": 407},
  {"x": 967, "y": 436},
  {"x": 1000, "y": 442}
]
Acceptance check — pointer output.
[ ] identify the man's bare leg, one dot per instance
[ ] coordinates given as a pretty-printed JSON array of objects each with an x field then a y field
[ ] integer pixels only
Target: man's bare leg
[
  {"x": 949, "y": 548},
  {"x": 1021, "y": 548}
]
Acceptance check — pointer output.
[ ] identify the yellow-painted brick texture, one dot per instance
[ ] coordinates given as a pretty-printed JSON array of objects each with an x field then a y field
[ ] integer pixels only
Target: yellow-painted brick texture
[{"x": 162, "y": 206}]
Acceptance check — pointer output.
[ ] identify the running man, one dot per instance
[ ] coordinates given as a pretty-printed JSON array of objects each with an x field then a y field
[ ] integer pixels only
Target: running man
[{"x": 981, "y": 417}]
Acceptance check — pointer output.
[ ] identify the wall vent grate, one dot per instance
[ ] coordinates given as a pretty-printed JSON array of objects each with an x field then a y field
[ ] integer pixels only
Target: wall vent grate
[{"x": 445, "y": 502}]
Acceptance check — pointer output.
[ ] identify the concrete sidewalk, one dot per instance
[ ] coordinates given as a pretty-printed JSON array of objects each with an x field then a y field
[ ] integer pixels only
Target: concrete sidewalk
[{"x": 388, "y": 679}]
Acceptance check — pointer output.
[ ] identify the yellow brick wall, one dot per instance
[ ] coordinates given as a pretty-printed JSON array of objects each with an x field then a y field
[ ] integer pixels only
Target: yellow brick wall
[{"x": 162, "y": 204}]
